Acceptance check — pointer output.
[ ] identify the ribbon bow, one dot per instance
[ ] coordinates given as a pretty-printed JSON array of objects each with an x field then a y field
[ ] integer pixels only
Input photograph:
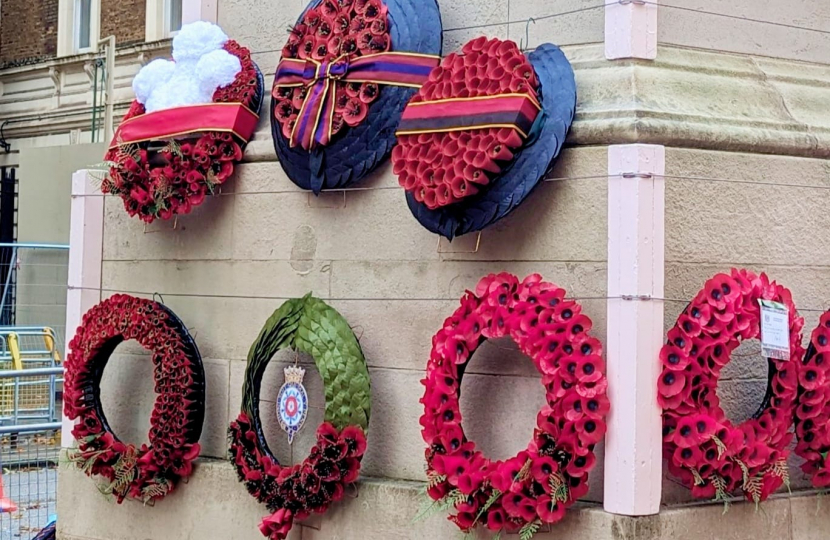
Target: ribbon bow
[{"x": 314, "y": 122}]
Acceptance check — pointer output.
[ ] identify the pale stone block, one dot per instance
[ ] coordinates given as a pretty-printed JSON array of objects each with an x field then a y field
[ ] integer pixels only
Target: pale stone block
[
  {"x": 203, "y": 234},
  {"x": 566, "y": 22},
  {"x": 260, "y": 27},
  {"x": 457, "y": 18},
  {"x": 398, "y": 334},
  {"x": 213, "y": 504},
  {"x": 810, "y": 520},
  {"x": 742, "y": 521},
  {"x": 128, "y": 398},
  {"x": 256, "y": 279},
  {"x": 570, "y": 214},
  {"x": 449, "y": 279},
  {"x": 702, "y": 29}
]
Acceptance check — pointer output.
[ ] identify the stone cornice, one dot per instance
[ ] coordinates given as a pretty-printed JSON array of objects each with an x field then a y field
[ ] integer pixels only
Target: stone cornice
[
  {"x": 686, "y": 98},
  {"x": 701, "y": 99}
]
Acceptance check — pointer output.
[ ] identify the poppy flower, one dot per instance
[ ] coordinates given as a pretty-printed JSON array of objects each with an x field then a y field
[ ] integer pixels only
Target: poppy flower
[
  {"x": 580, "y": 464},
  {"x": 811, "y": 377},
  {"x": 277, "y": 525},
  {"x": 438, "y": 491},
  {"x": 686, "y": 434},
  {"x": 578, "y": 488},
  {"x": 327, "y": 433},
  {"x": 689, "y": 457},
  {"x": 549, "y": 511},
  {"x": 573, "y": 407},
  {"x": 496, "y": 519},
  {"x": 355, "y": 440},
  {"x": 589, "y": 369},
  {"x": 590, "y": 430},
  {"x": 671, "y": 383},
  {"x": 464, "y": 520},
  {"x": 469, "y": 482},
  {"x": 590, "y": 390},
  {"x": 673, "y": 357},
  {"x": 822, "y": 478},
  {"x": 519, "y": 506},
  {"x": 542, "y": 468}
]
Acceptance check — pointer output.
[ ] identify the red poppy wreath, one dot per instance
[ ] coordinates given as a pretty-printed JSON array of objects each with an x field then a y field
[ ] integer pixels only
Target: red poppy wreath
[
  {"x": 536, "y": 486},
  {"x": 292, "y": 493},
  {"x": 703, "y": 448},
  {"x": 812, "y": 416},
  {"x": 188, "y": 126},
  {"x": 145, "y": 473},
  {"x": 346, "y": 73},
  {"x": 481, "y": 133}
]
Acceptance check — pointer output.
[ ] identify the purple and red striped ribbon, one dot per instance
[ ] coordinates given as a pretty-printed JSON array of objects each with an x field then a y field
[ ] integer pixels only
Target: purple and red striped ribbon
[
  {"x": 314, "y": 121},
  {"x": 514, "y": 111}
]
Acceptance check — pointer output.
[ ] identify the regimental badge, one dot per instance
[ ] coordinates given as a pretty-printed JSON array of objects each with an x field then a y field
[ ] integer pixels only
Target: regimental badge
[{"x": 292, "y": 402}]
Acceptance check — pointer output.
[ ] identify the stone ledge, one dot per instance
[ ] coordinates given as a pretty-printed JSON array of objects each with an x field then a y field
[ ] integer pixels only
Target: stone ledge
[
  {"x": 685, "y": 98},
  {"x": 214, "y": 505}
]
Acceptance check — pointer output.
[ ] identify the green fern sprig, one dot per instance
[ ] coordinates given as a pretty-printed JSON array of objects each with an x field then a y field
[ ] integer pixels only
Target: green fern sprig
[
  {"x": 524, "y": 472},
  {"x": 699, "y": 481},
  {"x": 720, "y": 492},
  {"x": 156, "y": 490},
  {"x": 434, "y": 480},
  {"x": 527, "y": 532},
  {"x": 780, "y": 469},
  {"x": 490, "y": 502},
  {"x": 558, "y": 488},
  {"x": 754, "y": 488},
  {"x": 720, "y": 445}
]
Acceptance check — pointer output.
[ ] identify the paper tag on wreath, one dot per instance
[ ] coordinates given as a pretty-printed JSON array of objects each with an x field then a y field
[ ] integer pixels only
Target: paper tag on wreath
[
  {"x": 775, "y": 330},
  {"x": 292, "y": 402}
]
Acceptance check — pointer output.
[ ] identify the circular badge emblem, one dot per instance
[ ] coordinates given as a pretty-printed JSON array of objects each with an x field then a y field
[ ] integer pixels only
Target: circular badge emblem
[{"x": 292, "y": 403}]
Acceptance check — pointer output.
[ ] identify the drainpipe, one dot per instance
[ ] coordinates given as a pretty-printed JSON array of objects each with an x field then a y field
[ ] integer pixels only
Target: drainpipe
[{"x": 109, "y": 85}]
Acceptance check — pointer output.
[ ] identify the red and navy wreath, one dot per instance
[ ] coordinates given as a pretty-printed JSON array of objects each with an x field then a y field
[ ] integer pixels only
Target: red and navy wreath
[
  {"x": 812, "y": 416},
  {"x": 347, "y": 71},
  {"x": 703, "y": 448},
  {"x": 188, "y": 126},
  {"x": 540, "y": 483},
  {"x": 482, "y": 132},
  {"x": 149, "y": 472}
]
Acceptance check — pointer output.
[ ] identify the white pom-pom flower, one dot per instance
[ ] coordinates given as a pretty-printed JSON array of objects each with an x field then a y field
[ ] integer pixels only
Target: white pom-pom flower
[{"x": 200, "y": 67}]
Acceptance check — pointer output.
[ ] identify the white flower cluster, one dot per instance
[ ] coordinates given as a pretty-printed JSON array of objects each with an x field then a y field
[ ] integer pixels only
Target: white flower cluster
[{"x": 199, "y": 67}]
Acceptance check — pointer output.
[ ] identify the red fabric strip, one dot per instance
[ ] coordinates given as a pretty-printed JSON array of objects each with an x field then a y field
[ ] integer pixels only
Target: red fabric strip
[
  {"x": 471, "y": 106},
  {"x": 181, "y": 121},
  {"x": 516, "y": 111}
]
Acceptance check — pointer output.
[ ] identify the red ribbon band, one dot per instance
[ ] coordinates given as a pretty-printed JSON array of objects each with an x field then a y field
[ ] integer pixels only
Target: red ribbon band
[
  {"x": 514, "y": 111},
  {"x": 177, "y": 122}
]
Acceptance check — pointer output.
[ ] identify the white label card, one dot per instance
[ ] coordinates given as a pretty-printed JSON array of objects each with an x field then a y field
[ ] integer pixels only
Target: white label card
[{"x": 775, "y": 330}]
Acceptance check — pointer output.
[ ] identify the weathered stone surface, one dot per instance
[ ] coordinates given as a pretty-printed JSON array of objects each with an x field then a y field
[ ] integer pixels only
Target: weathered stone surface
[
  {"x": 128, "y": 398},
  {"x": 810, "y": 519},
  {"x": 702, "y": 27}
]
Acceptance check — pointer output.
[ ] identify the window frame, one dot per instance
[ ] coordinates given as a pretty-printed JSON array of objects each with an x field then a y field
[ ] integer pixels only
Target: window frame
[
  {"x": 167, "y": 15},
  {"x": 77, "y": 11}
]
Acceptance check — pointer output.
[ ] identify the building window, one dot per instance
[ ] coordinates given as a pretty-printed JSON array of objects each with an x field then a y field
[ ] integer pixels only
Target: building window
[
  {"x": 172, "y": 16},
  {"x": 83, "y": 24}
]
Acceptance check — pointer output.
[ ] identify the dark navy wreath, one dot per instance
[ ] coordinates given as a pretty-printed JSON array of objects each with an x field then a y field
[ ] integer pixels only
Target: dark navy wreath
[{"x": 347, "y": 72}]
